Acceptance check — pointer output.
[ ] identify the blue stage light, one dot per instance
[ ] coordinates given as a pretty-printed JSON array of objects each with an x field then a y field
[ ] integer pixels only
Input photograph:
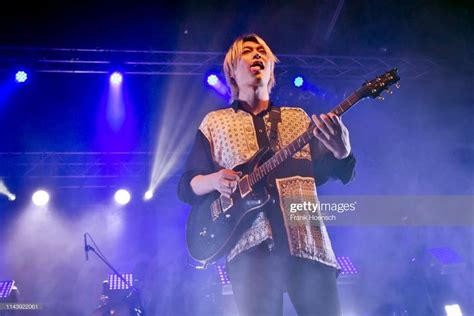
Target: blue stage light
[
  {"x": 212, "y": 80},
  {"x": 116, "y": 78},
  {"x": 21, "y": 76},
  {"x": 298, "y": 82}
]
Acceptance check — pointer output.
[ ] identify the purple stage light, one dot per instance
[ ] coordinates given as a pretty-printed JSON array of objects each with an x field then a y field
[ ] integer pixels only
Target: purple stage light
[
  {"x": 347, "y": 267},
  {"x": 224, "y": 279},
  {"x": 6, "y": 288},
  {"x": 116, "y": 78},
  {"x": 21, "y": 76},
  {"x": 212, "y": 80},
  {"x": 116, "y": 283}
]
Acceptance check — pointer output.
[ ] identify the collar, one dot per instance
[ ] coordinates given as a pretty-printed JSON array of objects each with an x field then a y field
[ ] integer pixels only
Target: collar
[{"x": 237, "y": 105}]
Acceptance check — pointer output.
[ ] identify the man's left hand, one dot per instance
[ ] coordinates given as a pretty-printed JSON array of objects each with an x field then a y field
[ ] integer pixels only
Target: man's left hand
[{"x": 333, "y": 134}]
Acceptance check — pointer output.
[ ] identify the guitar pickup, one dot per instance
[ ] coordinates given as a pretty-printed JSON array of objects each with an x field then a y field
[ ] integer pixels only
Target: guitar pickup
[
  {"x": 226, "y": 203},
  {"x": 244, "y": 186},
  {"x": 219, "y": 206}
]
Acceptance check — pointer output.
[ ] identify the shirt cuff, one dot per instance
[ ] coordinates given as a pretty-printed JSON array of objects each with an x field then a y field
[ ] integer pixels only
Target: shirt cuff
[{"x": 185, "y": 191}]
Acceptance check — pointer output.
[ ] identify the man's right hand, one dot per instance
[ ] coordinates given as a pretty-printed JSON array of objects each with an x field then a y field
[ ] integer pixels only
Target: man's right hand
[{"x": 225, "y": 181}]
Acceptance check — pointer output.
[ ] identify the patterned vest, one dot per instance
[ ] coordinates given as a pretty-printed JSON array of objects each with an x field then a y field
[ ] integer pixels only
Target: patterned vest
[{"x": 233, "y": 141}]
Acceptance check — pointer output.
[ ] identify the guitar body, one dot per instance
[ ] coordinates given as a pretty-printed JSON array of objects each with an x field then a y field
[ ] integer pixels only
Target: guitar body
[{"x": 209, "y": 234}]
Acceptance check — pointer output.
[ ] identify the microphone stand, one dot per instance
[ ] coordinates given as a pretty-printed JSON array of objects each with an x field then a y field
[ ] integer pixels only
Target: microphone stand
[{"x": 134, "y": 292}]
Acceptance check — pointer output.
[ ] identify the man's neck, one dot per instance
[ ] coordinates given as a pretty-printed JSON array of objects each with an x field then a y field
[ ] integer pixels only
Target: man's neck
[{"x": 254, "y": 100}]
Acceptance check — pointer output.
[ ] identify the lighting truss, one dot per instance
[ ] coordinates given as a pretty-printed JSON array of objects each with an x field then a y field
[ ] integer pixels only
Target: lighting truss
[
  {"x": 188, "y": 63},
  {"x": 76, "y": 169}
]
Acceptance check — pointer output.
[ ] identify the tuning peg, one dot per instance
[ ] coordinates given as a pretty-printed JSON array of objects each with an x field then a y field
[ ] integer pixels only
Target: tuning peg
[
  {"x": 397, "y": 85},
  {"x": 381, "y": 98},
  {"x": 389, "y": 91}
]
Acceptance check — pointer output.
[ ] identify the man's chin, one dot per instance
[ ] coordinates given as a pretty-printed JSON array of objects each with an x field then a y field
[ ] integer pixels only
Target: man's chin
[{"x": 260, "y": 76}]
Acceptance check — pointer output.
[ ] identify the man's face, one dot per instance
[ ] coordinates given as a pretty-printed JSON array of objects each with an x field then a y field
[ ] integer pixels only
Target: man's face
[{"x": 253, "y": 67}]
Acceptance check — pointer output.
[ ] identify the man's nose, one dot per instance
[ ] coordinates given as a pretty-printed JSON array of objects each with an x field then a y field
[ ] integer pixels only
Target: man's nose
[{"x": 257, "y": 56}]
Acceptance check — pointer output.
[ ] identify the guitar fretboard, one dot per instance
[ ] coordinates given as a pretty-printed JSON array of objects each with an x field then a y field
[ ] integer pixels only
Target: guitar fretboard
[{"x": 293, "y": 147}]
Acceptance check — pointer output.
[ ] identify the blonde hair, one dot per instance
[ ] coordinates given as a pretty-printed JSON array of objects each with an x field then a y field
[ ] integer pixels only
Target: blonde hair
[{"x": 232, "y": 56}]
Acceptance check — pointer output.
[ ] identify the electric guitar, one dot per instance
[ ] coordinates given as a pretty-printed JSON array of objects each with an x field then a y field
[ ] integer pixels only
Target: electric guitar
[{"x": 216, "y": 223}]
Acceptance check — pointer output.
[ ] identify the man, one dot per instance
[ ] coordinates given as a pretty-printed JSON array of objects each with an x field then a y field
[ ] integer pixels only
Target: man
[{"x": 275, "y": 254}]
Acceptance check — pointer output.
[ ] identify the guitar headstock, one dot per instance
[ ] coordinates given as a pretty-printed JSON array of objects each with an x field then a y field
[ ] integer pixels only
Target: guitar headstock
[{"x": 374, "y": 87}]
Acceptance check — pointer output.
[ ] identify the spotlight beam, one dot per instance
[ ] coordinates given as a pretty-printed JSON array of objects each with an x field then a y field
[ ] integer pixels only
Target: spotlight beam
[{"x": 5, "y": 191}]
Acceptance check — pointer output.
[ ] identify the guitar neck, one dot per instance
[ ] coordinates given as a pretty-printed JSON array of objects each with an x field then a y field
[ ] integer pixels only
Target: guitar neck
[{"x": 293, "y": 147}]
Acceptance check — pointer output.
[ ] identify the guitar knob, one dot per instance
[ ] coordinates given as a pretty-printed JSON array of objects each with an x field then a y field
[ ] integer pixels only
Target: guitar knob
[
  {"x": 397, "y": 85},
  {"x": 203, "y": 232}
]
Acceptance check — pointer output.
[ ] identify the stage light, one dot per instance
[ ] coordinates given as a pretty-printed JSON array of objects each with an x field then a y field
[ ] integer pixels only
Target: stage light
[
  {"x": 212, "y": 80},
  {"x": 445, "y": 260},
  {"x": 148, "y": 195},
  {"x": 6, "y": 288},
  {"x": 40, "y": 198},
  {"x": 347, "y": 267},
  {"x": 445, "y": 255},
  {"x": 116, "y": 78},
  {"x": 5, "y": 191},
  {"x": 453, "y": 310},
  {"x": 223, "y": 277},
  {"x": 116, "y": 283},
  {"x": 21, "y": 76},
  {"x": 122, "y": 197},
  {"x": 298, "y": 82}
]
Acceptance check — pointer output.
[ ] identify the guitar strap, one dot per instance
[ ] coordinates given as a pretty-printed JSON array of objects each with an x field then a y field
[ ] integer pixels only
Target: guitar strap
[{"x": 275, "y": 118}]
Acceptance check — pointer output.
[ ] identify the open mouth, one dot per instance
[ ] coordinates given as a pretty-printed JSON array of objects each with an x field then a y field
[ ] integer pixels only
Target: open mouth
[{"x": 257, "y": 65}]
